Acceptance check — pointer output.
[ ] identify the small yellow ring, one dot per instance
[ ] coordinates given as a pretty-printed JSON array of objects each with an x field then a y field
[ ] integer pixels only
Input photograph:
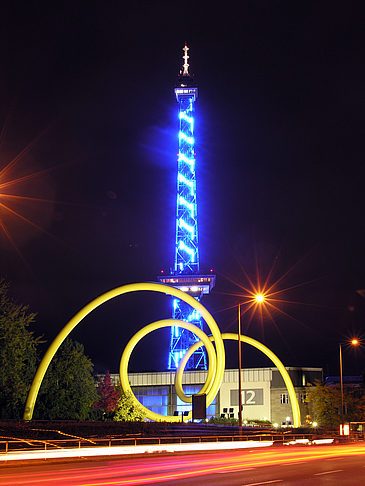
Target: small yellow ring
[
  {"x": 207, "y": 387},
  {"x": 261, "y": 347},
  {"x": 135, "y": 340}
]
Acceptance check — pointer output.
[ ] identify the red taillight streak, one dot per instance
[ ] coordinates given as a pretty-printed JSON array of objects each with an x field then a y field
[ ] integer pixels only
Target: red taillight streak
[{"x": 236, "y": 460}]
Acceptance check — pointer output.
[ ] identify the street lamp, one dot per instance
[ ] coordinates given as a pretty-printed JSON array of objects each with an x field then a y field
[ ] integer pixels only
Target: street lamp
[
  {"x": 258, "y": 299},
  {"x": 353, "y": 342}
]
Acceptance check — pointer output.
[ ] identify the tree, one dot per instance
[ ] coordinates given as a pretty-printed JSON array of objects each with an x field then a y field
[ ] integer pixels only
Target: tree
[
  {"x": 68, "y": 390},
  {"x": 354, "y": 405},
  {"x": 128, "y": 410},
  {"x": 18, "y": 354},
  {"x": 108, "y": 397},
  {"x": 326, "y": 403}
]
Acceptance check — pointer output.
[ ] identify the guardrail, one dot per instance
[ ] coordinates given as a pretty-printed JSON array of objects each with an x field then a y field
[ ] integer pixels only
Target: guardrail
[{"x": 12, "y": 444}]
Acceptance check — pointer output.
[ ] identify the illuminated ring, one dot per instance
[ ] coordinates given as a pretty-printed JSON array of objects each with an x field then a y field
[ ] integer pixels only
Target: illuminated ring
[
  {"x": 135, "y": 340},
  {"x": 261, "y": 347},
  {"x": 207, "y": 387},
  {"x": 216, "y": 336},
  {"x": 124, "y": 289}
]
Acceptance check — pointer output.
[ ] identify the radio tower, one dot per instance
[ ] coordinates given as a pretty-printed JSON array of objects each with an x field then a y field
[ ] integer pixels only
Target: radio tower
[{"x": 185, "y": 274}]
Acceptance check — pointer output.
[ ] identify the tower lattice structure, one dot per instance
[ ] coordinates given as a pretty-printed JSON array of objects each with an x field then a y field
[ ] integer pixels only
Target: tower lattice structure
[{"x": 186, "y": 272}]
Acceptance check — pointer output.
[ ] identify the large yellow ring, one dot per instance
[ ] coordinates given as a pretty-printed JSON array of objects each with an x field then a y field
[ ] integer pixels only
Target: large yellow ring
[
  {"x": 124, "y": 289},
  {"x": 261, "y": 347}
]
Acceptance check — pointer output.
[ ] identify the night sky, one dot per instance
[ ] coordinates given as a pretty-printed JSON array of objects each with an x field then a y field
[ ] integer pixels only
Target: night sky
[{"x": 88, "y": 112}]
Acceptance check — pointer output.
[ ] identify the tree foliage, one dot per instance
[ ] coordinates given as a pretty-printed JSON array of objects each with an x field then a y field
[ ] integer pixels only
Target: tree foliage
[
  {"x": 128, "y": 410},
  {"x": 68, "y": 390},
  {"x": 326, "y": 403},
  {"x": 109, "y": 395},
  {"x": 18, "y": 354}
]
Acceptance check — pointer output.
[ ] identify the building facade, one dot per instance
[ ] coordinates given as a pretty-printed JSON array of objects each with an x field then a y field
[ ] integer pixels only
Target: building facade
[{"x": 264, "y": 395}]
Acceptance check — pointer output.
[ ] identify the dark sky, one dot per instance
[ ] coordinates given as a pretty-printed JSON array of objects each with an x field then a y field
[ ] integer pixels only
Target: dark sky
[{"x": 87, "y": 102}]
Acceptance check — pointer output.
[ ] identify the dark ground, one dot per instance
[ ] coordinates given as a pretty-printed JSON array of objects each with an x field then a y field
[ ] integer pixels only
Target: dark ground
[{"x": 48, "y": 430}]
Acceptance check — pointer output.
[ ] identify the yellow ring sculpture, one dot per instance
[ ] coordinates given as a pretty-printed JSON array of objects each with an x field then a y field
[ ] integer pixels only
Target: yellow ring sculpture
[
  {"x": 136, "y": 287},
  {"x": 205, "y": 340},
  {"x": 261, "y": 347},
  {"x": 216, "y": 357}
]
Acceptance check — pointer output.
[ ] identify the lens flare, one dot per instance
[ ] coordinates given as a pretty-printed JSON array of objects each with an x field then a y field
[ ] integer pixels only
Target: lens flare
[
  {"x": 26, "y": 196},
  {"x": 265, "y": 297}
]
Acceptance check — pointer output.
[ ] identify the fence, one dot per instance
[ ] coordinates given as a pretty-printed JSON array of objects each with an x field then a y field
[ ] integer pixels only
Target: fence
[{"x": 12, "y": 444}]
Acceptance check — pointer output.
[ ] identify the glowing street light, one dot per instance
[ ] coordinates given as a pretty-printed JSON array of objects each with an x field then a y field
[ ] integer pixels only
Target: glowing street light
[
  {"x": 259, "y": 299},
  {"x": 353, "y": 342}
]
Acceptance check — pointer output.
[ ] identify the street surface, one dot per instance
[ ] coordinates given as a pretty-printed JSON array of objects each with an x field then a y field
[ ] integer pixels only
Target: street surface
[{"x": 297, "y": 465}]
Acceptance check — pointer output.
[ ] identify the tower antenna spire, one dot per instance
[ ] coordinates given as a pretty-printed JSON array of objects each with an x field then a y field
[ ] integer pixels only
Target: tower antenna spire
[{"x": 186, "y": 64}]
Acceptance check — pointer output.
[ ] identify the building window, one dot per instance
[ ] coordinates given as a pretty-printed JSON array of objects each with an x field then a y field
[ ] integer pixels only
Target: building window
[
  {"x": 284, "y": 398},
  {"x": 154, "y": 398},
  {"x": 303, "y": 397}
]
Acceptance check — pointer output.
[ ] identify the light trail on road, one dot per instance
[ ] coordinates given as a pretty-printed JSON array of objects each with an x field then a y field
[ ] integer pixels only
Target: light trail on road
[
  {"x": 130, "y": 450},
  {"x": 152, "y": 469}
]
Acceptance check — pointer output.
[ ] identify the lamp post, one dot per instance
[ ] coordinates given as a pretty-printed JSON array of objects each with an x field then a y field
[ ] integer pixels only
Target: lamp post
[
  {"x": 259, "y": 298},
  {"x": 341, "y": 381},
  {"x": 353, "y": 342},
  {"x": 239, "y": 371}
]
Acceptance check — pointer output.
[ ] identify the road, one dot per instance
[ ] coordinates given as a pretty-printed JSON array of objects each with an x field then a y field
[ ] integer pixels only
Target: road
[{"x": 295, "y": 465}]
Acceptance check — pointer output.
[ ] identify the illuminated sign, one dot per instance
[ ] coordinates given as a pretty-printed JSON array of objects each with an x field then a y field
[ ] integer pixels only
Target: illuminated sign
[
  {"x": 344, "y": 429},
  {"x": 250, "y": 396}
]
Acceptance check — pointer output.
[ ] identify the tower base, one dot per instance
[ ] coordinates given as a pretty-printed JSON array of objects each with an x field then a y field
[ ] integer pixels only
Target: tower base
[{"x": 182, "y": 339}]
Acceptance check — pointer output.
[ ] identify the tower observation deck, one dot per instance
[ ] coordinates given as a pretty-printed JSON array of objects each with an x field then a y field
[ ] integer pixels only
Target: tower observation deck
[{"x": 186, "y": 272}]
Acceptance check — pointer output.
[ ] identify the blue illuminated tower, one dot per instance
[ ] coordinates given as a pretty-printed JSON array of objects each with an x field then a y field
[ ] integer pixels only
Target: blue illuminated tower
[{"x": 185, "y": 274}]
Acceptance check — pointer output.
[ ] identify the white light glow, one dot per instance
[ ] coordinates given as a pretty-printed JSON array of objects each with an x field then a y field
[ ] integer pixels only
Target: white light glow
[
  {"x": 322, "y": 441},
  {"x": 123, "y": 450},
  {"x": 297, "y": 441},
  {"x": 186, "y": 64}
]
